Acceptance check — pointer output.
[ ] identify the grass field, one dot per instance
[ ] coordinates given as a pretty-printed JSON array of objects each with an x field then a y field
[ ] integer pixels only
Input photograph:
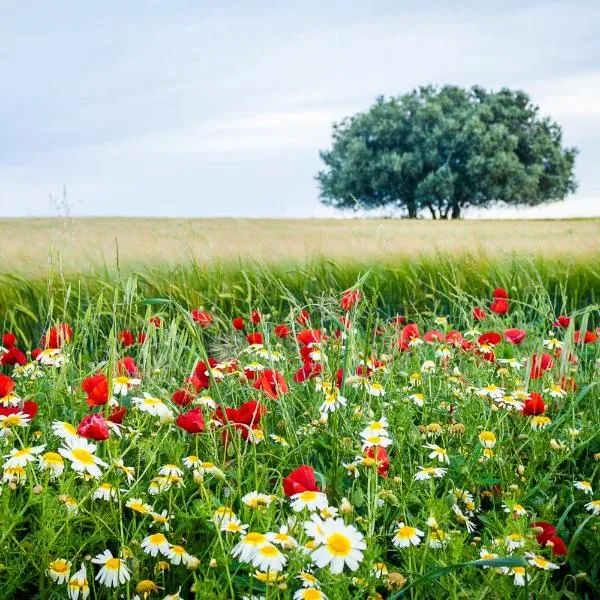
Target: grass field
[
  {"x": 78, "y": 244},
  {"x": 151, "y": 441}
]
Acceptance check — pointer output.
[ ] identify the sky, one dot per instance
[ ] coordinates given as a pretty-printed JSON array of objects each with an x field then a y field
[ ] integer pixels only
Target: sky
[{"x": 203, "y": 109}]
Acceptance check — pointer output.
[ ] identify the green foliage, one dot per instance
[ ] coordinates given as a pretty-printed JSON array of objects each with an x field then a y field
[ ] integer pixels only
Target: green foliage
[{"x": 442, "y": 150}]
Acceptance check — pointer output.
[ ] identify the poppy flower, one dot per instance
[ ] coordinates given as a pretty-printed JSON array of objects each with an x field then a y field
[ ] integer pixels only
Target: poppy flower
[
  {"x": 57, "y": 336},
  {"x": 281, "y": 331},
  {"x": 309, "y": 336},
  {"x": 200, "y": 379},
  {"x": 29, "y": 407},
  {"x": 303, "y": 317},
  {"x": 379, "y": 453},
  {"x": 238, "y": 323},
  {"x": 548, "y": 531},
  {"x": 540, "y": 365},
  {"x": 562, "y": 321},
  {"x": 35, "y": 353},
  {"x": 203, "y": 318},
  {"x": 272, "y": 383},
  {"x": 490, "y": 338},
  {"x": 191, "y": 421},
  {"x": 349, "y": 299},
  {"x": 13, "y": 356},
  {"x": 127, "y": 366},
  {"x": 126, "y": 338},
  {"x": 96, "y": 388},
  {"x": 156, "y": 321},
  {"x": 500, "y": 294},
  {"x": 300, "y": 480},
  {"x": 534, "y": 405},
  {"x": 93, "y": 427},
  {"x": 308, "y": 370},
  {"x": 587, "y": 337},
  {"x": 568, "y": 384},
  {"x": 7, "y": 385},
  {"x": 559, "y": 548},
  {"x": 409, "y": 332},
  {"x": 245, "y": 418},
  {"x": 454, "y": 337},
  {"x": 182, "y": 397},
  {"x": 9, "y": 340},
  {"x": 118, "y": 414},
  {"x": 254, "y": 337},
  {"x": 514, "y": 336},
  {"x": 479, "y": 314},
  {"x": 398, "y": 320},
  {"x": 255, "y": 317},
  {"x": 141, "y": 338},
  {"x": 499, "y": 306},
  {"x": 434, "y": 336}
]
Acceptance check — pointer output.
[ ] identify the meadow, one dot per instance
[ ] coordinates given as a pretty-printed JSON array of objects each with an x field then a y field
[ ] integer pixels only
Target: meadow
[{"x": 400, "y": 419}]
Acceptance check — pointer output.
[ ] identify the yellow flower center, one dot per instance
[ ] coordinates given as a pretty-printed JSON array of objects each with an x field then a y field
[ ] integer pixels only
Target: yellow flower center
[
  {"x": 255, "y": 538},
  {"x": 157, "y": 538},
  {"x": 113, "y": 564},
  {"x": 269, "y": 551},
  {"x": 406, "y": 532},
  {"x": 83, "y": 456},
  {"x": 60, "y": 566},
  {"x": 308, "y": 496},
  {"x": 338, "y": 544}
]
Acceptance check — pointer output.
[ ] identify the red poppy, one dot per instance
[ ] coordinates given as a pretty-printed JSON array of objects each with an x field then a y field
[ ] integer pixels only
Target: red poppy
[
  {"x": 499, "y": 294},
  {"x": 7, "y": 385},
  {"x": 559, "y": 548},
  {"x": 300, "y": 480},
  {"x": 409, "y": 332},
  {"x": 245, "y": 418},
  {"x": 126, "y": 338},
  {"x": 548, "y": 531},
  {"x": 238, "y": 323},
  {"x": 308, "y": 370},
  {"x": 491, "y": 338},
  {"x": 141, "y": 338},
  {"x": 255, "y": 317},
  {"x": 254, "y": 337},
  {"x": 272, "y": 383},
  {"x": 203, "y": 318},
  {"x": 9, "y": 340},
  {"x": 380, "y": 454},
  {"x": 35, "y": 353},
  {"x": 118, "y": 414},
  {"x": 96, "y": 388},
  {"x": 13, "y": 356},
  {"x": 540, "y": 365},
  {"x": 57, "y": 336},
  {"x": 303, "y": 317},
  {"x": 562, "y": 321},
  {"x": 534, "y": 405},
  {"x": 499, "y": 306},
  {"x": 93, "y": 427},
  {"x": 568, "y": 384},
  {"x": 434, "y": 336},
  {"x": 514, "y": 336},
  {"x": 588, "y": 337},
  {"x": 200, "y": 378},
  {"x": 454, "y": 337},
  {"x": 30, "y": 408},
  {"x": 309, "y": 336},
  {"x": 345, "y": 321},
  {"x": 349, "y": 299},
  {"x": 182, "y": 397},
  {"x": 281, "y": 331},
  {"x": 479, "y": 314},
  {"x": 398, "y": 320},
  {"x": 127, "y": 366},
  {"x": 192, "y": 421},
  {"x": 156, "y": 321}
]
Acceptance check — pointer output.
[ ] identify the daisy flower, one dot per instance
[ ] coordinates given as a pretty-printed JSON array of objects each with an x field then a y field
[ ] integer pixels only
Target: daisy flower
[
  {"x": 78, "y": 585},
  {"x": 170, "y": 471},
  {"x": 509, "y": 402},
  {"x": 22, "y": 457},
  {"x": 593, "y": 507},
  {"x": 514, "y": 541},
  {"x": 309, "y": 499},
  {"x": 375, "y": 389},
  {"x": 332, "y": 402},
  {"x": 234, "y": 526},
  {"x": 539, "y": 422},
  {"x": 519, "y": 574},
  {"x": 370, "y": 440},
  {"x": 341, "y": 546},
  {"x": 223, "y": 514},
  {"x": 279, "y": 440},
  {"x": 555, "y": 391},
  {"x": 540, "y": 562},
  {"x": 485, "y": 554},
  {"x": 138, "y": 505},
  {"x": 438, "y": 452},
  {"x": 177, "y": 555},
  {"x": 425, "y": 473},
  {"x": 51, "y": 357},
  {"x": 153, "y": 406},
  {"x": 516, "y": 509},
  {"x": 190, "y": 462},
  {"x": 256, "y": 499},
  {"x": 464, "y": 519},
  {"x": 283, "y": 538},
  {"x": 417, "y": 399},
  {"x": 161, "y": 519},
  {"x": 248, "y": 545},
  {"x": 7, "y": 422},
  {"x": 269, "y": 558},
  {"x": 106, "y": 492},
  {"x": 114, "y": 571},
  {"x": 308, "y": 580},
  {"x": 309, "y": 594},
  {"x": 122, "y": 384},
  {"x": 52, "y": 462},
  {"x": 81, "y": 454},
  {"x": 155, "y": 543},
  {"x": 428, "y": 366},
  {"x": 59, "y": 570},
  {"x": 487, "y": 439},
  {"x": 406, "y": 536},
  {"x": 584, "y": 486}
]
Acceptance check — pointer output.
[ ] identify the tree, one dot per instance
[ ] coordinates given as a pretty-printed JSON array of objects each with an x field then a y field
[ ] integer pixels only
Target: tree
[{"x": 441, "y": 150}]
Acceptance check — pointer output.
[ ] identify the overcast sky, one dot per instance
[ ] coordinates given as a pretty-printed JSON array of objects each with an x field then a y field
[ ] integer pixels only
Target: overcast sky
[{"x": 200, "y": 109}]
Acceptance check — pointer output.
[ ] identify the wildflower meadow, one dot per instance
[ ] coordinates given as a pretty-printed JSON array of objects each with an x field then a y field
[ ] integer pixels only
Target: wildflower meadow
[{"x": 310, "y": 433}]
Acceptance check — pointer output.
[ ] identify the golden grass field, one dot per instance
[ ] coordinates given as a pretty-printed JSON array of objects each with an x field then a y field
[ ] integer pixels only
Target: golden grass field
[{"x": 27, "y": 245}]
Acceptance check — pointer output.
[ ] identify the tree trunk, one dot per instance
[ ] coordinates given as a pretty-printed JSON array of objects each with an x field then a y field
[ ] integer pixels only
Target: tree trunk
[
  {"x": 456, "y": 210},
  {"x": 412, "y": 210},
  {"x": 433, "y": 213}
]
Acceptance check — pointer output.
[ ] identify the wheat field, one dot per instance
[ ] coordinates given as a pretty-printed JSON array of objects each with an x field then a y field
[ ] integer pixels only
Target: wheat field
[{"x": 27, "y": 245}]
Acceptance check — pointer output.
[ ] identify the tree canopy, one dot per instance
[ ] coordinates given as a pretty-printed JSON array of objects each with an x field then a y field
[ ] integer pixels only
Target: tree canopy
[{"x": 441, "y": 150}]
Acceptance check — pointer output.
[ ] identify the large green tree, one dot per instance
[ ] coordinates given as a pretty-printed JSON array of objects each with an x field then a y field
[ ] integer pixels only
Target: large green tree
[{"x": 441, "y": 150}]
